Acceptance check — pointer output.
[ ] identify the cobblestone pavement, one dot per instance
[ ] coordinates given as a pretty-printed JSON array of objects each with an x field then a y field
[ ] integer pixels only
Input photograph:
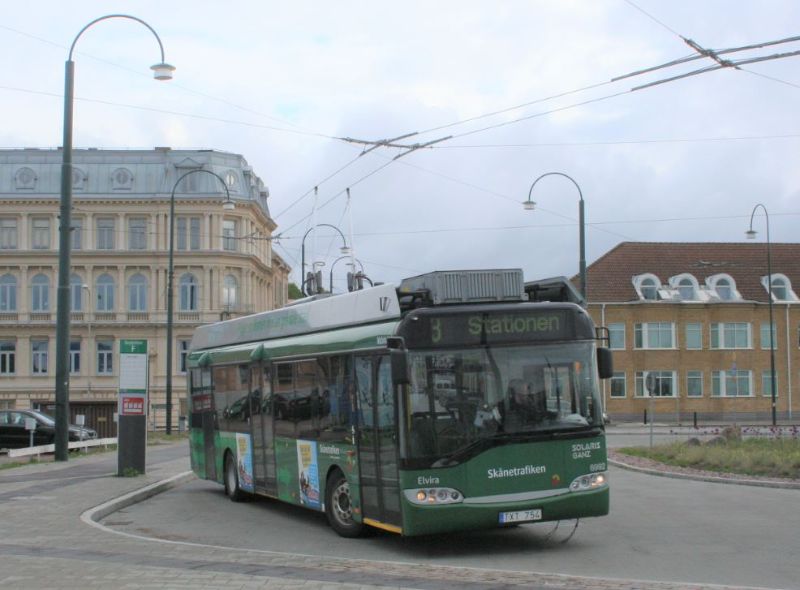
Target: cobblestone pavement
[{"x": 48, "y": 540}]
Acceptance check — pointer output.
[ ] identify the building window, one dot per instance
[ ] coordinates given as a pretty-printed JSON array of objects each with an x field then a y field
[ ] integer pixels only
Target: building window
[
  {"x": 40, "y": 293},
  {"x": 664, "y": 384},
  {"x": 188, "y": 292},
  {"x": 137, "y": 233},
  {"x": 616, "y": 336},
  {"x": 647, "y": 286},
  {"x": 229, "y": 235},
  {"x": 733, "y": 383},
  {"x": 781, "y": 287},
  {"x": 686, "y": 289},
  {"x": 8, "y": 354},
  {"x": 39, "y": 357},
  {"x": 694, "y": 383},
  {"x": 105, "y": 293},
  {"x": 724, "y": 286},
  {"x": 694, "y": 336},
  {"x": 77, "y": 233},
  {"x": 230, "y": 293},
  {"x": 765, "y": 339},
  {"x": 137, "y": 293},
  {"x": 8, "y": 234},
  {"x": 654, "y": 335},
  {"x": 75, "y": 293},
  {"x": 188, "y": 233},
  {"x": 105, "y": 357},
  {"x": 75, "y": 357},
  {"x": 618, "y": 385},
  {"x": 183, "y": 353},
  {"x": 8, "y": 293},
  {"x": 730, "y": 335},
  {"x": 766, "y": 384},
  {"x": 105, "y": 233},
  {"x": 40, "y": 236}
]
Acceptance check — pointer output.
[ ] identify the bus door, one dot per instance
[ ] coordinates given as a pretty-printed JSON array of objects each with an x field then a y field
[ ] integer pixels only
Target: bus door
[
  {"x": 261, "y": 429},
  {"x": 377, "y": 438},
  {"x": 203, "y": 416}
]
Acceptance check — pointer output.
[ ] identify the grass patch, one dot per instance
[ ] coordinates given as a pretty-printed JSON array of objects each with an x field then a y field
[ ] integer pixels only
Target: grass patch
[
  {"x": 758, "y": 457},
  {"x": 161, "y": 438}
]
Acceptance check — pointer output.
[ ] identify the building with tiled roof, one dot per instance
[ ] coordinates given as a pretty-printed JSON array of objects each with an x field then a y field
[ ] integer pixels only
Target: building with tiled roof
[{"x": 696, "y": 315}]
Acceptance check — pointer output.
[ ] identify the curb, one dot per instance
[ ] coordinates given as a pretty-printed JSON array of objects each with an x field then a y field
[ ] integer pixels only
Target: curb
[
  {"x": 97, "y": 513},
  {"x": 787, "y": 485}
]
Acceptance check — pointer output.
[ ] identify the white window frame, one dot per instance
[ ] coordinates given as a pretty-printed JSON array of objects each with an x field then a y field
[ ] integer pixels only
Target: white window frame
[
  {"x": 229, "y": 227},
  {"x": 696, "y": 327},
  {"x": 641, "y": 378},
  {"x": 104, "y": 293},
  {"x": 40, "y": 233},
  {"x": 74, "y": 357},
  {"x": 713, "y": 281},
  {"x": 183, "y": 354},
  {"x": 8, "y": 233},
  {"x": 39, "y": 354},
  {"x": 617, "y": 328},
  {"x": 638, "y": 283},
  {"x": 8, "y": 293},
  {"x": 678, "y": 283},
  {"x": 8, "y": 357},
  {"x": 766, "y": 385},
  {"x": 137, "y": 293},
  {"x": 645, "y": 329},
  {"x": 787, "y": 284},
  {"x": 189, "y": 292},
  {"x": 618, "y": 377},
  {"x": 137, "y": 233},
  {"x": 722, "y": 331},
  {"x": 40, "y": 294},
  {"x": 694, "y": 376},
  {"x": 105, "y": 234},
  {"x": 76, "y": 236},
  {"x": 720, "y": 382},
  {"x": 105, "y": 356},
  {"x": 765, "y": 336}
]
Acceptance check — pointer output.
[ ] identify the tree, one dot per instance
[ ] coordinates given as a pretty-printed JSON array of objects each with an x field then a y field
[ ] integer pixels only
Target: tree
[{"x": 294, "y": 292}]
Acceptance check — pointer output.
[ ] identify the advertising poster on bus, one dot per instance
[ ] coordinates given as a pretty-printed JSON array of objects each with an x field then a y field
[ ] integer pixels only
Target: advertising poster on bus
[
  {"x": 308, "y": 469},
  {"x": 244, "y": 462}
]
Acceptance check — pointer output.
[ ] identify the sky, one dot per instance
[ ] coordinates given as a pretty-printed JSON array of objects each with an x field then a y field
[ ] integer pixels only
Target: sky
[{"x": 513, "y": 89}]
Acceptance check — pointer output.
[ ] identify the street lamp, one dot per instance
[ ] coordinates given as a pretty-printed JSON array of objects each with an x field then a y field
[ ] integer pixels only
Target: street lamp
[
  {"x": 161, "y": 71},
  {"x": 345, "y": 249},
  {"x": 751, "y": 235},
  {"x": 228, "y": 205},
  {"x": 334, "y": 264},
  {"x": 530, "y": 205}
]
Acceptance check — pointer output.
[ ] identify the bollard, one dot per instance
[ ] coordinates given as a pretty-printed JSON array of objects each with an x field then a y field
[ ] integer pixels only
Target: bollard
[
  {"x": 645, "y": 416},
  {"x": 694, "y": 420}
]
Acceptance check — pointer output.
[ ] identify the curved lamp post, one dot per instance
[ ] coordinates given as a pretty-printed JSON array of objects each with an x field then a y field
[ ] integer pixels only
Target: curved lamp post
[
  {"x": 345, "y": 249},
  {"x": 161, "y": 71},
  {"x": 228, "y": 205},
  {"x": 751, "y": 235},
  {"x": 530, "y": 205},
  {"x": 330, "y": 287}
]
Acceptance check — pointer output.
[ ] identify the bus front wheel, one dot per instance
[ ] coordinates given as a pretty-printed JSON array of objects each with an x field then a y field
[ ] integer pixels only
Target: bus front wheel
[
  {"x": 232, "y": 489},
  {"x": 338, "y": 507}
]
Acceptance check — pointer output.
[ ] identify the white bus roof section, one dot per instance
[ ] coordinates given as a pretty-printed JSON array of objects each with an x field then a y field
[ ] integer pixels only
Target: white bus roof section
[{"x": 376, "y": 304}]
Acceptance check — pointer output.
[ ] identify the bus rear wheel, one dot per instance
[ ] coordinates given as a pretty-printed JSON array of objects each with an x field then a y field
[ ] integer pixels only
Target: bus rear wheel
[
  {"x": 339, "y": 508},
  {"x": 232, "y": 489}
]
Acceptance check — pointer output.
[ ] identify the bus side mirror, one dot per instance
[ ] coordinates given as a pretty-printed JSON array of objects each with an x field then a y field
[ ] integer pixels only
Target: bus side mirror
[
  {"x": 398, "y": 356},
  {"x": 605, "y": 363}
]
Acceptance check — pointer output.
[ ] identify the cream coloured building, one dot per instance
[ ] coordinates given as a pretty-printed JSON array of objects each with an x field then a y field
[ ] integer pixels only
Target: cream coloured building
[{"x": 224, "y": 267}]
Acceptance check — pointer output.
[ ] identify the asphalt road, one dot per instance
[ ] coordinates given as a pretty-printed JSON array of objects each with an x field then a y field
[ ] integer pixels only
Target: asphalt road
[{"x": 659, "y": 529}]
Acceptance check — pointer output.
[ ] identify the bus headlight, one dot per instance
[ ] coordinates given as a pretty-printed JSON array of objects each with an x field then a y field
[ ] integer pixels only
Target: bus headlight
[
  {"x": 433, "y": 496},
  {"x": 588, "y": 482}
]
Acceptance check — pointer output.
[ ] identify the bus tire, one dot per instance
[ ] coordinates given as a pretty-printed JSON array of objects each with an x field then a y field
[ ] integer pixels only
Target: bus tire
[
  {"x": 232, "y": 489},
  {"x": 338, "y": 507}
]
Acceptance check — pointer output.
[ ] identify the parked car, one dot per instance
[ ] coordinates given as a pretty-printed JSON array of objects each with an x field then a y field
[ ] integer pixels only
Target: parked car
[{"x": 14, "y": 435}]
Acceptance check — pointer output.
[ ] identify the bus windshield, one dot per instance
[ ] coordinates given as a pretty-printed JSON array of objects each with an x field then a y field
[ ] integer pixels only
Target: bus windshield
[{"x": 458, "y": 398}]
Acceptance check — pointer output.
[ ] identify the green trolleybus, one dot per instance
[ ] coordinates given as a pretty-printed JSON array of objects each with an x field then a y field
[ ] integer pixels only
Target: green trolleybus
[{"x": 448, "y": 403}]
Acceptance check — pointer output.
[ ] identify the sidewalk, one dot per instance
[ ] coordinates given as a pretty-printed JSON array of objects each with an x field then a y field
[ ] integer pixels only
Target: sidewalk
[{"x": 46, "y": 543}]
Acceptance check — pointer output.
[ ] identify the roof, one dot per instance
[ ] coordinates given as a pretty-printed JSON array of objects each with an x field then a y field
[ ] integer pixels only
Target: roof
[{"x": 610, "y": 278}]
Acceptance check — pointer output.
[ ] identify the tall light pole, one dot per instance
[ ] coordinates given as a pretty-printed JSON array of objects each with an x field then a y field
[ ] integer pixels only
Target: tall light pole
[
  {"x": 530, "y": 205},
  {"x": 161, "y": 71},
  {"x": 751, "y": 235},
  {"x": 228, "y": 205},
  {"x": 345, "y": 249}
]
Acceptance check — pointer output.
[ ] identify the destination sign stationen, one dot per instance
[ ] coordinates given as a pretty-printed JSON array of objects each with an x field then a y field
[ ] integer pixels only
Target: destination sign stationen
[{"x": 488, "y": 328}]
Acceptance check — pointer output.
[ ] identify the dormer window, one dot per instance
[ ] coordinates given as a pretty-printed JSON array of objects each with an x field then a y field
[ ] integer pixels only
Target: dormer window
[
  {"x": 647, "y": 286},
  {"x": 686, "y": 286},
  {"x": 781, "y": 287},
  {"x": 724, "y": 287}
]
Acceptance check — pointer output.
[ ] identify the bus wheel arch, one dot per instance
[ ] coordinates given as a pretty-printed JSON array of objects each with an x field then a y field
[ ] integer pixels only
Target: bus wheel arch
[
  {"x": 338, "y": 506},
  {"x": 231, "y": 478}
]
